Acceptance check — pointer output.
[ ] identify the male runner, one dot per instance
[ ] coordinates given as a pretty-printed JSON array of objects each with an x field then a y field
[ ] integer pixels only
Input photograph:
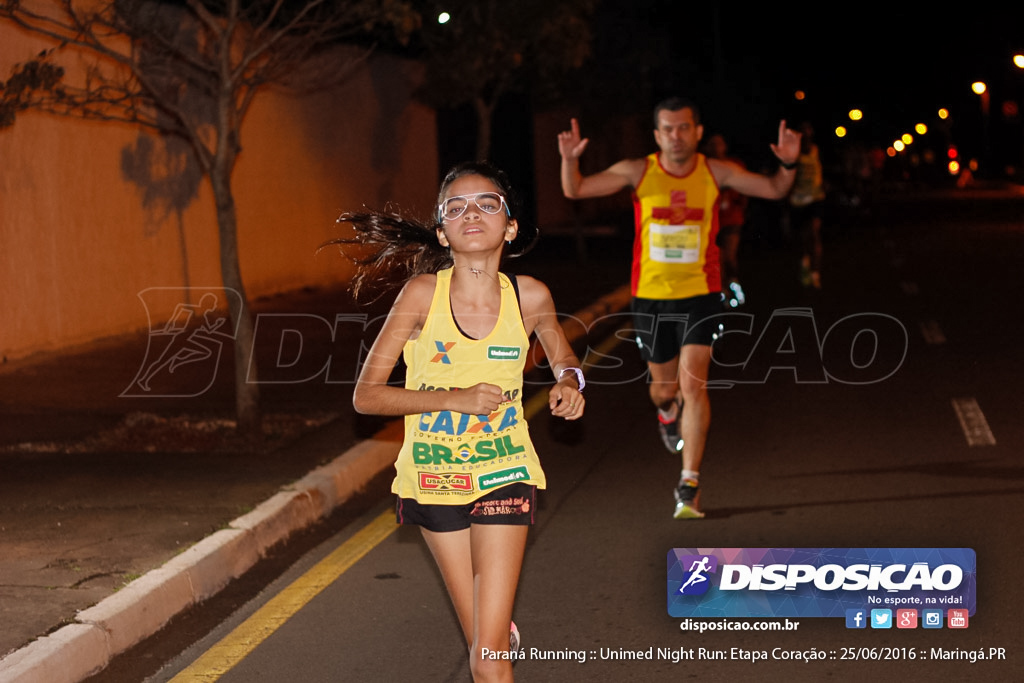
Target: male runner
[{"x": 676, "y": 281}]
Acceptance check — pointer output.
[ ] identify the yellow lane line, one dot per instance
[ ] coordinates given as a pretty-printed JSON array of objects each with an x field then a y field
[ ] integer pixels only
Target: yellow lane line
[{"x": 235, "y": 646}]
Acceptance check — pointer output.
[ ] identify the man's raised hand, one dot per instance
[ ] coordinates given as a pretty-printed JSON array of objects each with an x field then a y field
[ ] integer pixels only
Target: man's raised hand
[{"x": 570, "y": 146}]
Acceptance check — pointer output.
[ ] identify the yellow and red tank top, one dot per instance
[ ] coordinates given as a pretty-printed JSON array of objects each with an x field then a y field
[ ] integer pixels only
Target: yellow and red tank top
[
  {"x": 809, "y": 185},
  {"x": 451, "y": 458},
  {"x": 674, "y": 250}
]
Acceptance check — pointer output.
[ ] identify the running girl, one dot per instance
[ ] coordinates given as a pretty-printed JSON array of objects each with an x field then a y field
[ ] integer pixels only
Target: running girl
[{"x": 467, "y": 472}]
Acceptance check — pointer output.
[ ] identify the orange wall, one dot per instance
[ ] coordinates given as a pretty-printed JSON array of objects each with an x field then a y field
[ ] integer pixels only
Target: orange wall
[{"x": 79, "y": 239}]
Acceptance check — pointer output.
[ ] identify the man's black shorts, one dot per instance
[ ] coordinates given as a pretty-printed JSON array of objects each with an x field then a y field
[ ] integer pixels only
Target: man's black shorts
[
  {"x": 665, "y": 326},
  {"x": 513, "y": 504}
]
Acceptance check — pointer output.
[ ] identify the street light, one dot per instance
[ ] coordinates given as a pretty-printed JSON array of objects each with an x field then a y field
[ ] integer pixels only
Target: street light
[
  {"x": 1018, "y": 61},
  {"x": 981, "y": 90}
]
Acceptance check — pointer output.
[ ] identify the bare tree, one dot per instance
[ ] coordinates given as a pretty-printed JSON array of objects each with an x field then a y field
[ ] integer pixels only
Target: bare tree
[
  {"x": 154, "y": 60},
  {"x": 490, "y": 47}
]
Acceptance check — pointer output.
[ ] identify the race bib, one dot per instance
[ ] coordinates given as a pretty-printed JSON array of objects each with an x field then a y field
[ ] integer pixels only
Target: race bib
[{"x": 674, "y": 243}]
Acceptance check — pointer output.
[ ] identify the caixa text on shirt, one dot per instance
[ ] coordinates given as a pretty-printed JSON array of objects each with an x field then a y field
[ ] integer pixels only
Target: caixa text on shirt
[{"x": 451, "y": 423}]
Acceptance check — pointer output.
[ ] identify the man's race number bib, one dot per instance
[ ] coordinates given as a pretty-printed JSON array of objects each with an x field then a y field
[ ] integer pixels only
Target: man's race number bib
[{"x": 674, "y": 243}]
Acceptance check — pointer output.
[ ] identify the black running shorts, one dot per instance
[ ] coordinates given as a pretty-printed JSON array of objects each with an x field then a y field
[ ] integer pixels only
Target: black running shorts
[
  {"x": 663, "y": 327},
  {"x": 513, "y": 504}
]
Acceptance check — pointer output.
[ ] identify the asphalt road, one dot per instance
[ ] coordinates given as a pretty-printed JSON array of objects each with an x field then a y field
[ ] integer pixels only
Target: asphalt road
[{"x": 822, "y": 437}]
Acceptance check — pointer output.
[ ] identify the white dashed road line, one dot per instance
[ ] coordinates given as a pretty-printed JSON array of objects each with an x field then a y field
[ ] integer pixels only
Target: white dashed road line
[{"x": 973, "y": 422}]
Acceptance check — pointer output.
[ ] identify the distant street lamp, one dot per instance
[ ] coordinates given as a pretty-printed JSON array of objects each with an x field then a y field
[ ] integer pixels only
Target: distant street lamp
[
  {"x": 981, "y": 90},
  {"x": 1018, "y": 61}
]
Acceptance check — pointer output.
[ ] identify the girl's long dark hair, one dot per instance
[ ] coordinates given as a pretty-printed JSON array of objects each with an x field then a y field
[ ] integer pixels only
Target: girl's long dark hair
[{"x": 389, "y": 249}]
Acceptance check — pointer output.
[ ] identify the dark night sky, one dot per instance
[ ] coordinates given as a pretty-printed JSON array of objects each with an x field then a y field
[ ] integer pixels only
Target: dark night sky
[{"x": 898, "y": 65}]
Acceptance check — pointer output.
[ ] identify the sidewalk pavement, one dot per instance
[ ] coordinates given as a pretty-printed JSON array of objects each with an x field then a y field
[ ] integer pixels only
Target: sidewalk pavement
[{"x": 118, "y": 512}]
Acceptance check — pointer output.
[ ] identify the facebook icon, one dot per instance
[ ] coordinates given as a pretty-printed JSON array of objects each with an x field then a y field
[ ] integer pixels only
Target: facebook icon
[{"x": 856, "y": 618}]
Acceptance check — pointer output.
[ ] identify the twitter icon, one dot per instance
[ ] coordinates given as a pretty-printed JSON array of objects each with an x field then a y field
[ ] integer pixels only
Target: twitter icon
[{"x": 881, "y": 618}]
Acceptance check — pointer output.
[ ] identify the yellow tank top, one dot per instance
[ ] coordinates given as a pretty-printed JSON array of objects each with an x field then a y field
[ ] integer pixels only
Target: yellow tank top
[
  {"x": 452, "y": 458},
  {"x": 674, "y": 251}
]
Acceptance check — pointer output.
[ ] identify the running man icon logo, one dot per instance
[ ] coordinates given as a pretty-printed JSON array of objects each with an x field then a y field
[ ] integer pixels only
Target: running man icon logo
[
  {"x": 184, "y": 349},
  {"x": 696, "y": 581}
]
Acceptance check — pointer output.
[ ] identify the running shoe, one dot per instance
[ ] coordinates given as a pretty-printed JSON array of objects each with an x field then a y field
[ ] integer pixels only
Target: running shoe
[
  {"x": 514, "y": 645},
  {"x": 735, "y": 296},
  {"x": 686, "y": 500},
  {"x": 669, "y": 431}
]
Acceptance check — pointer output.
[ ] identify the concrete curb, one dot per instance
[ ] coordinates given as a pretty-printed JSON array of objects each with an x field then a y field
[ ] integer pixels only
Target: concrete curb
[{"x": 144, "y": 606}]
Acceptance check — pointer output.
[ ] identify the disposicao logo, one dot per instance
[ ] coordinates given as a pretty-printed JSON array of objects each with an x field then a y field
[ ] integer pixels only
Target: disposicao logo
[
  {"x": 817, "y": 582},
  {"x": 697, "y": 581}
]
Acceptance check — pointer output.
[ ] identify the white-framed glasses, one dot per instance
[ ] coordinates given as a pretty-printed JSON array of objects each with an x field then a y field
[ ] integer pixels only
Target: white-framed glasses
[{"x": 488, "y": 202}]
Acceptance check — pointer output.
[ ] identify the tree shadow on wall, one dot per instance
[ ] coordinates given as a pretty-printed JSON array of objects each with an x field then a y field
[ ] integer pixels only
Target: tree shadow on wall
[
  {"x": 163, "y": 166},
  {"x": 167, "y": 176}
]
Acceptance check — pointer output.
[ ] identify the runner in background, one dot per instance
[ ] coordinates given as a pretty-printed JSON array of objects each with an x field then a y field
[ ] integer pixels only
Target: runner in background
[
  {"x": 676, "y": 279},
  {"x": 807, "y": 207}
]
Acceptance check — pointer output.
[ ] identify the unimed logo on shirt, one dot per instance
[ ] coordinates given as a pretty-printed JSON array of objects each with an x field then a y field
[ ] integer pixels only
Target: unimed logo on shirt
[
  {"x": 503, "y": 352},
  {"x": 503, "y": 477}
]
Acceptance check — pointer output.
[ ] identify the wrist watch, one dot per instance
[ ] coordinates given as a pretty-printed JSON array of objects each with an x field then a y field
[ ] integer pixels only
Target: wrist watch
[{"x": 579, "y": 377}]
